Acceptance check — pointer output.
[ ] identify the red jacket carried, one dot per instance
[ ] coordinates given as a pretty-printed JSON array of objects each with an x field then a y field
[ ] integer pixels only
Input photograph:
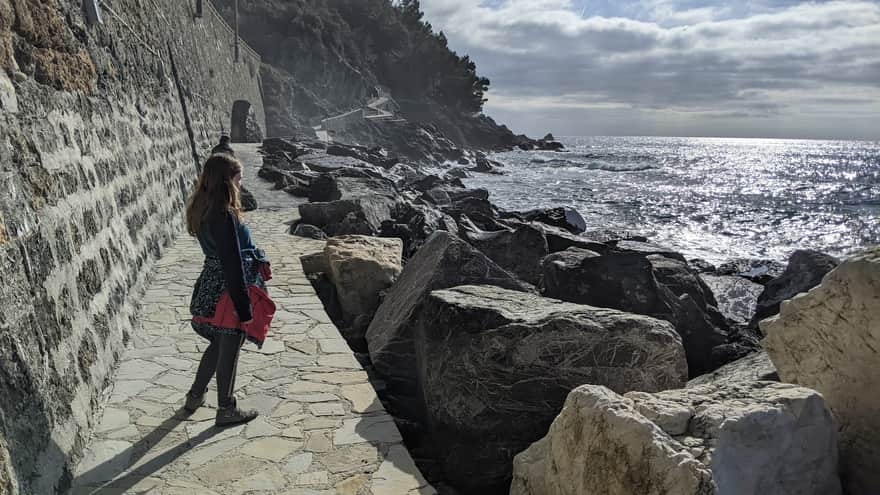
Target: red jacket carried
[{"x": 262, "y": 308}]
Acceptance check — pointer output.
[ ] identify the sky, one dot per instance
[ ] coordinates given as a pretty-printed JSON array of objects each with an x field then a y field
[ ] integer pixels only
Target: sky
[{"x": 750, "y": 68}]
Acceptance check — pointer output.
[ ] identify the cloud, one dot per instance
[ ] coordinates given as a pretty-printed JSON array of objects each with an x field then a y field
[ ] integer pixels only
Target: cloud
[
  {"x": 674, "y": 13},
  {"x": 697, "y": 59}
]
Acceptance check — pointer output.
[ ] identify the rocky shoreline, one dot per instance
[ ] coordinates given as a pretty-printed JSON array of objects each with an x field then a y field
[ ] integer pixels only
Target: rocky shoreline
[{"x": 478, "y": 323}]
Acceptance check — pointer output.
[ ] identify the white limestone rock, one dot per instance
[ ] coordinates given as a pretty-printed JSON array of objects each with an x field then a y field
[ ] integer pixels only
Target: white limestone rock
[
  {"x": 8, "y": 98},
  {"x": 829, "y": 339},
  {"x": 8, "y": 483},
  {"x": 754, "y": 438},
  {"x": 361, "y": 267}
]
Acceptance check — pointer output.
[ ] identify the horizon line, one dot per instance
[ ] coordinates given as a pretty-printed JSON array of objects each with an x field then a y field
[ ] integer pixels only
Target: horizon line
[{"x": 872, "y": 141}]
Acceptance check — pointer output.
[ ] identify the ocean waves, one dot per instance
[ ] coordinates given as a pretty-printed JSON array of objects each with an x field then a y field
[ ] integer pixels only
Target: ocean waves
[
  {"x": 585, "y": 162},
  {"x": 710, "y": 198}
]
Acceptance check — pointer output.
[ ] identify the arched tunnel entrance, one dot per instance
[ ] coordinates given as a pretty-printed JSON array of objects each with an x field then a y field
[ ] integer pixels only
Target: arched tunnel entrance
[{"x": 244, "y": 127}]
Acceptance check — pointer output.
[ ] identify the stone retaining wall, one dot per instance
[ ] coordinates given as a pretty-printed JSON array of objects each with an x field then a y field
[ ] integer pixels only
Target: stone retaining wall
[{"x": 101, "y": 127}]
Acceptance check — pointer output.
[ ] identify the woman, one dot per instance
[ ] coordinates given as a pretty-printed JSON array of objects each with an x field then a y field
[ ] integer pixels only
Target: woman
[{"x": 232, "y": 263}]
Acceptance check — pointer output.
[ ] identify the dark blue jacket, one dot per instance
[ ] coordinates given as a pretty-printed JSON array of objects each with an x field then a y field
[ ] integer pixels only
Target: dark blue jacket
[{"x": 225, "y": 238}]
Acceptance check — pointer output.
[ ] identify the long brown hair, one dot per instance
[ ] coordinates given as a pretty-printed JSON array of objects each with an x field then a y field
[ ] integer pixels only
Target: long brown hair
[{"x": 215, "y": 192}]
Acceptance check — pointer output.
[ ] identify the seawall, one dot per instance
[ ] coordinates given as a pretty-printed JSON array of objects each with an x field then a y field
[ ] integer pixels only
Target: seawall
[{"x": 102, "y": 125}]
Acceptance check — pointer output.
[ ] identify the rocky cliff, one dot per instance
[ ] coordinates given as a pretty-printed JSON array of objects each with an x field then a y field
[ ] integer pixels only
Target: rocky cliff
[
  {"x": 101, "y": 127},
  {"x": 327, "y": 57}
]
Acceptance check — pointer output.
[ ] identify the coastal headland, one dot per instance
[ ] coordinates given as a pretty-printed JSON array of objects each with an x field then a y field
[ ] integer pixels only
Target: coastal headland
[{"x": 428, "y": 340}]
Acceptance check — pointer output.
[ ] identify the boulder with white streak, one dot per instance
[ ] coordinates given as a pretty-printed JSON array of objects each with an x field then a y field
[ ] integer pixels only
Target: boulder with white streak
[
  {"x": 444, "y": 261},
  {"x": 737, "y": 296},
  {"x": 495, "y": 366}
]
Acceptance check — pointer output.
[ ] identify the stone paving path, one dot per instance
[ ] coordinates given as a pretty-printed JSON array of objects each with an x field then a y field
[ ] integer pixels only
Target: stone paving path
[
  {"x": 268, "y": 198},
  {"x": 322, "y": 429}
]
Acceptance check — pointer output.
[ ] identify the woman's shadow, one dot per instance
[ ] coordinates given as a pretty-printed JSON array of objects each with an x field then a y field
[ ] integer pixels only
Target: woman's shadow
[{"x": 126, "y": 463}]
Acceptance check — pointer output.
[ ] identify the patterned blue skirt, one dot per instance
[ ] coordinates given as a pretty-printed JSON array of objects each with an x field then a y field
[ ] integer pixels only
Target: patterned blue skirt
[{"x": 211, "y": 285}]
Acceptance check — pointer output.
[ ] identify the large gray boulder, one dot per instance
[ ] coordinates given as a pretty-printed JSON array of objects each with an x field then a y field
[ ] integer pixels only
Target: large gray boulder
[
  {"x": 519, "y": 251},
  {"x": 677, "y": 276},
  {"x": 309, "y": 232},
  {"x": 443, "y": 261},
  {"x": 332, "y": 187},
  {"x": 496, "y": 365},
  {"x": 281, "y": 178},
  {"x": 621, "y": 281},
  {"x": 559, "y": 240},
  {"x": 647, "y": 284},
  {"x": 414, "y": 223},
  {"x": 754, "y": 367},
  {"x": 297, "y": 184},
  {"x": 758, "y": 438},
  {"x": 404, "y": 174},
  {"x": 349, "y": 216},
  {"x": 804, "y": 271},
  {"x": 280, "y": 149},
  {"x": 457, "y": 173},
  {"x": 646, "y": 249},
  {"x": 437, "y": 196},
  {"x": 561, "y": 217},
  {"x": 829, "y": 339},
  {"x": 473, "y": 206},
  {"x": 486, "y": 166},
  {"x": 447, "y": 195},
  {"x": 756, "y": 270},
  {"x": 323, "y": 162},
  {"x": 476, "y": 222},
  {"x": 425, "y": 183},
  {"x": 696, "y": 314},
  {"x": 614, "y": 236}
]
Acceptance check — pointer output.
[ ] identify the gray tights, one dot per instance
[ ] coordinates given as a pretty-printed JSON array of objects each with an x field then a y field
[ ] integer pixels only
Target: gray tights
[{"x": 221, "y": 357}]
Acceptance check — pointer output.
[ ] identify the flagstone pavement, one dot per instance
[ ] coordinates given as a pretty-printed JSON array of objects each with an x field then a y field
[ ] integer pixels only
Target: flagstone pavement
[{"x": 321, "y": 430}]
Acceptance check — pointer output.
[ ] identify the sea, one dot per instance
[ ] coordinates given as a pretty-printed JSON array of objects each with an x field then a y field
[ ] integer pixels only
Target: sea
[{"x": 711, "y": 198}]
